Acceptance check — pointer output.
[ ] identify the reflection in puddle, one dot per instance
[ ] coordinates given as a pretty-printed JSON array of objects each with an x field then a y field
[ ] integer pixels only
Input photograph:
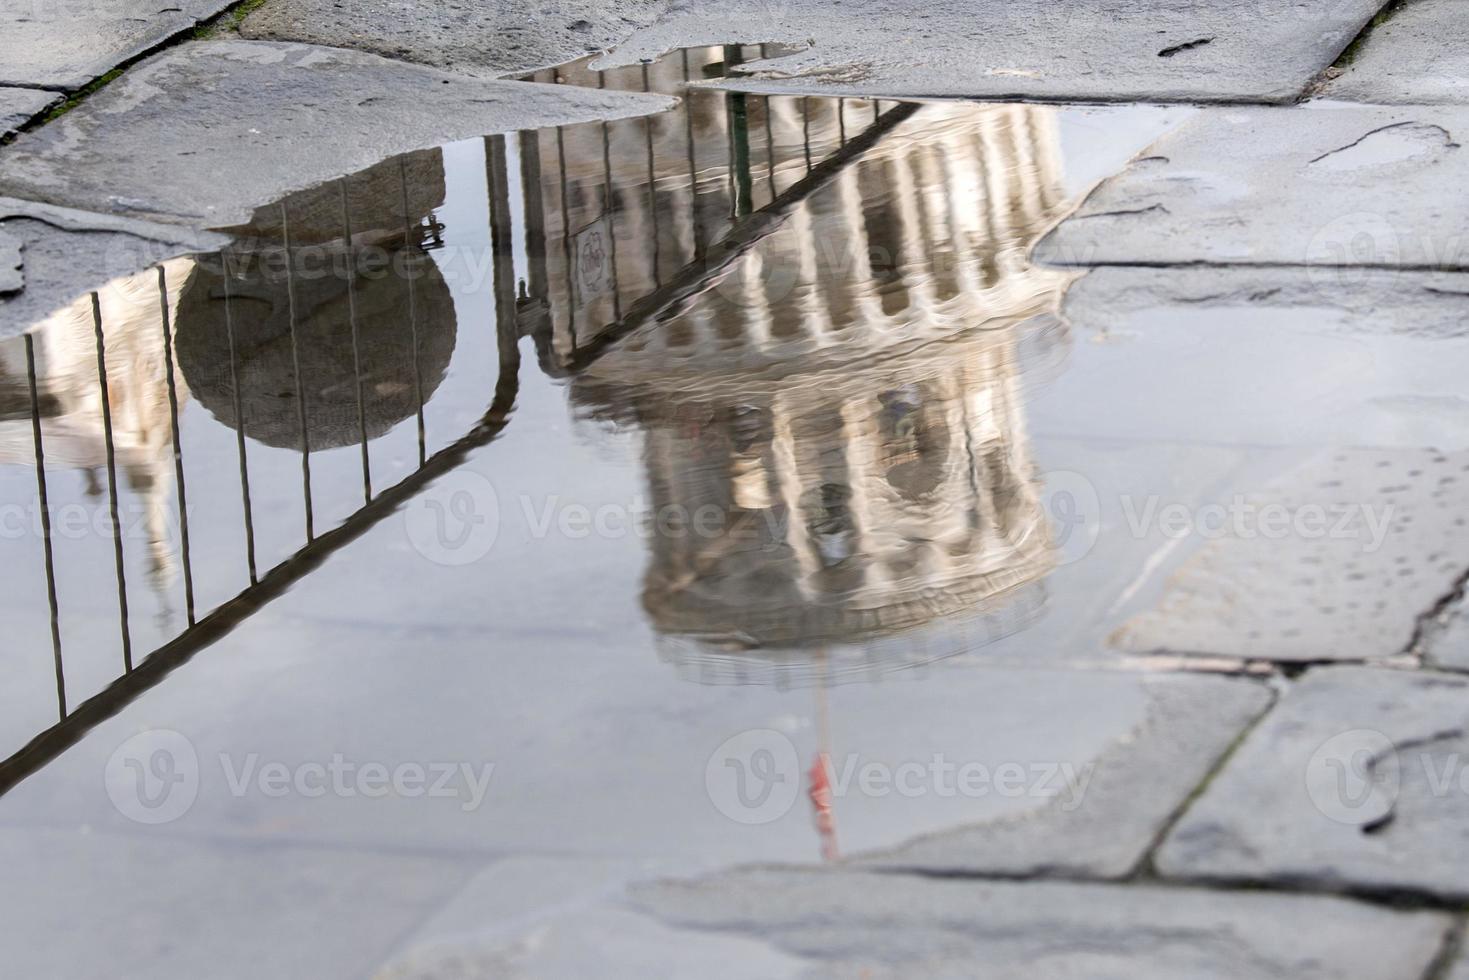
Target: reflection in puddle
[{"x": 814, "y": 312}]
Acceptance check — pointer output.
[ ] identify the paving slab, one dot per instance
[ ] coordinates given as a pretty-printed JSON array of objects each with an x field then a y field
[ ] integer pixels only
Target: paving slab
[
  {"x": 65, "y": 253},
  {"x": 64, "y": 44},
  {"x": 204, "y": 133},
  {"x": 1337, "y": 558},
  {"x": 1327, "y": 184},
  {"x": 1343, "y": 301},
  {"x": 488, "y": 40},
  {"x": 12, "y": 271},
  {"x": 1220, "y": 50},
  {"x": 1354, "y": 781},
  {"x": 1131, "y": 792},
  {"x": 1446, "y": 641},
  {"x": 848, "y": 924},
  {"x": 328, "y": 913},
  {"x": 19, "y": 105},
  {"x": 565, "y": 916},
  {"x": 1419, "y": 55}
]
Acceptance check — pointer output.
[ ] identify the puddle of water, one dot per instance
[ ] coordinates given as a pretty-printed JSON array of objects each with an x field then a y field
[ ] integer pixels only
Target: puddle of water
[
  {"x": 585, "y": 451},
  {"x": 814, "y": 312}
]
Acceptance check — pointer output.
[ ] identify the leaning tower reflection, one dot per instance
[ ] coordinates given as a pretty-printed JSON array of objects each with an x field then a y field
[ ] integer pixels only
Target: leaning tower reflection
[{"x": 832, "y": 426}]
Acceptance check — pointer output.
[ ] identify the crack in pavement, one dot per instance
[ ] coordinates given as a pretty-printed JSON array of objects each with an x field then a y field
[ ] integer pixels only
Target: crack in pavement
[{"x": 1449, "y": 143}]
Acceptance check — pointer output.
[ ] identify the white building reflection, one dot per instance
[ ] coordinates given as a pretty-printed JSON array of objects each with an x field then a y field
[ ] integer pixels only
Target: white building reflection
[
  {"x": 833, "y": 435},
  {"x": 70, "y": 397}
]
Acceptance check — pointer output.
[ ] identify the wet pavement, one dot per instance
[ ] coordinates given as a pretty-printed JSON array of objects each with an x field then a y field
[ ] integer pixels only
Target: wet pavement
[{"x": 493, "y": 561}]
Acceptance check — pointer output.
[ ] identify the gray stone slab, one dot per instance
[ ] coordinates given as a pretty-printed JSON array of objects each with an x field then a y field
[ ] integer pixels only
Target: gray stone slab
[
  {"x": 1420, "y": 55},
  {"x": 1035, "y": 49},
  {"x": 544, "y": 916},
  {"x": 205, "y": 132},
  {"x": 68, "y": 253},
  {"x": 1322, "y": 185},
  {"x": 12, "y": 264},
  {"x": 64, "y": 44},
  {"x": 166, "y": 906},
  {"x": 848, "y": 924},
  {"x": 1342, "y": 301},
  {"x": 1446, "y": 640},
  {"x": 476, "y": 39},
  {"x": 19, "y": 105},
  {"x": 1126, "y": 795},
  {"x": 1337, "y": 558},
  {"x": 1355, "y": 780}
]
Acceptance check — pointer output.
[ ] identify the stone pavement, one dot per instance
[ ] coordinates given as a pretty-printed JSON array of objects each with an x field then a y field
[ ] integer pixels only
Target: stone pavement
[
  {"x": 1418, "y": 56},
  {"x": 20, "y": 104},
  {"x": 64, "y": 45},
  {"x": 1306, "y": 821},
  {"x": 1037, "y": 49}
]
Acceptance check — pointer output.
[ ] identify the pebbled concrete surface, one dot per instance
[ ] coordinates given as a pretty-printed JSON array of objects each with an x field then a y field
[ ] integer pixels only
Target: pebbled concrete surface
[
  {"x": 64, "y": 44},
  {"x": 1354, "y": 780},
  {"x": 1131, "y": 794},
  {"x": 487, "y": 40},
  {"x": 19, "y": 105},
  {"x": 846, "y": 924},
  {"x": 1420, "y": 55},
  {"x": 1035, "y": 49},
  {"x": 204, "y": 133},
  {"x": 1326, "y": 185}
]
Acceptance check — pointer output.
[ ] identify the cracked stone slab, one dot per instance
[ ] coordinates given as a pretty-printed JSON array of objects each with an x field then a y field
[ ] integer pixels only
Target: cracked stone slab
[
  {"x": 487, "y": 40},
  {"x": 19, "y": 105},
  {"x": 1326, "y": 184},
  {"x": 1033, "y": 49},
  {"x": 1354, "y": 780},
  {"x": 1420, "y": 55},
  {"x": 1334, "y": 559},
  {"x": 1131, "y": 791},
  {"x": 204, "y": 133},
  {"x": 1345, "y": 301},
  {"x": 64, "y": 45},
  {"x": 851, "y": 924}
]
